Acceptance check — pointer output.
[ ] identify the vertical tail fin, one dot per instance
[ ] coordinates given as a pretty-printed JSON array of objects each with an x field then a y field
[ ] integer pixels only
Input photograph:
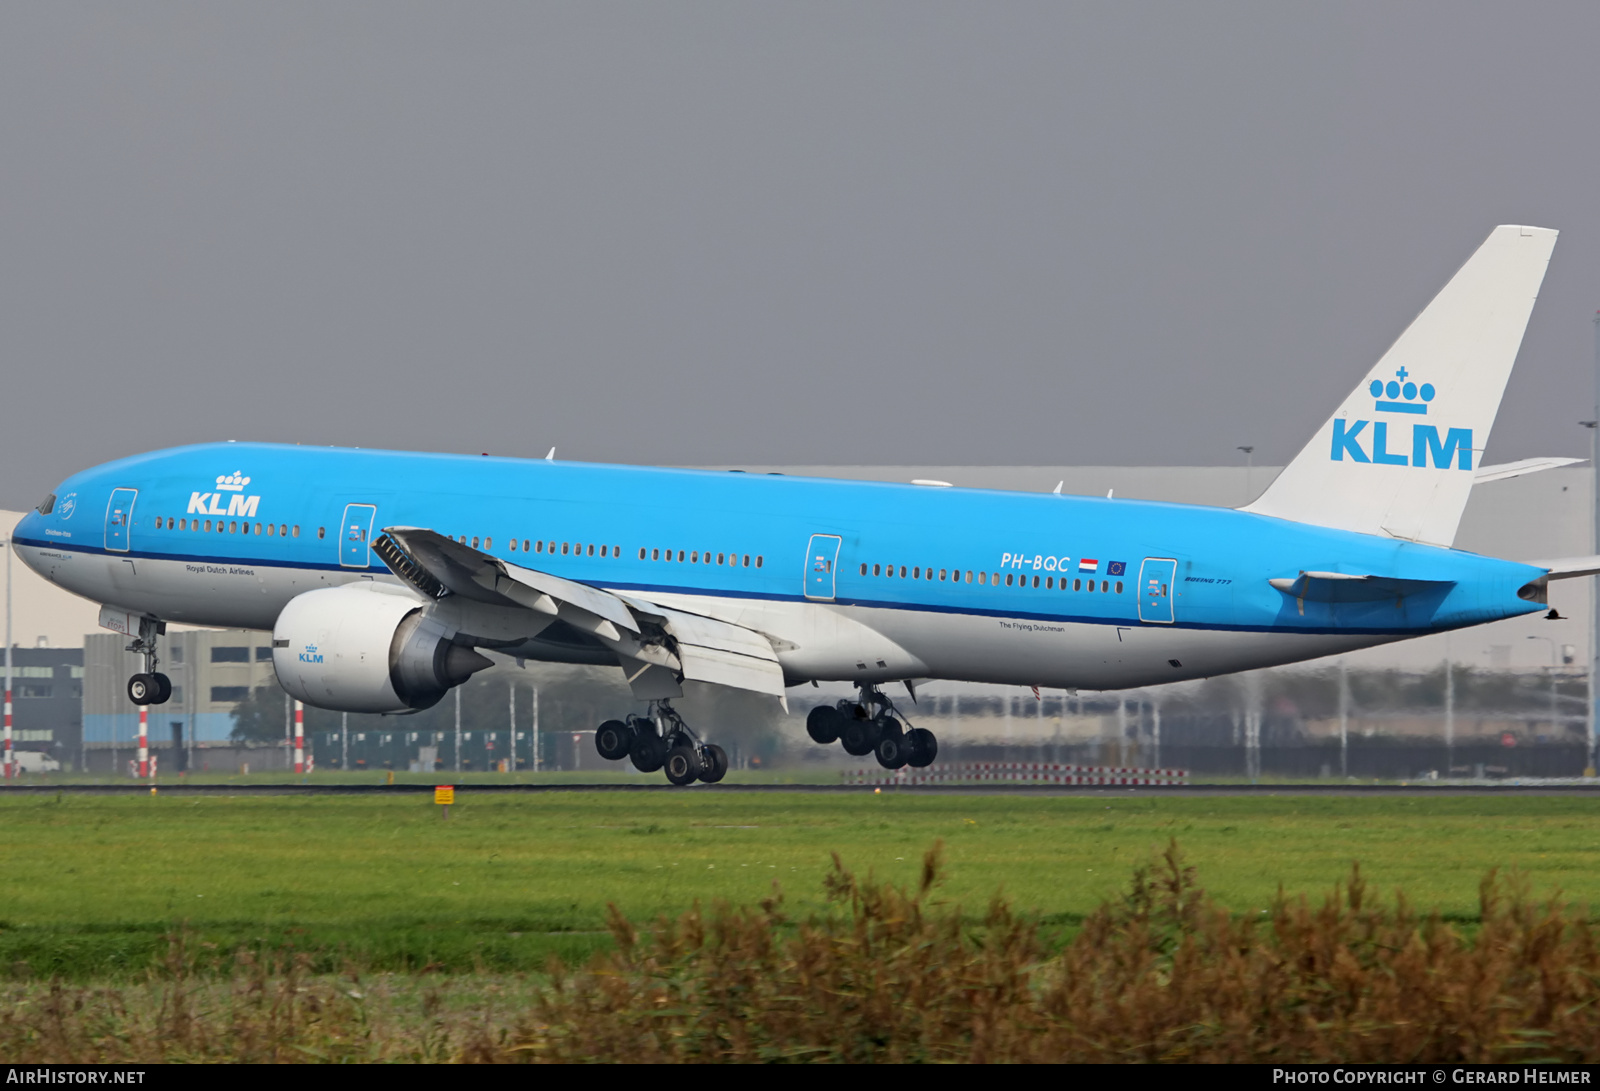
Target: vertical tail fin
[{"x": 1397, "y": 458}]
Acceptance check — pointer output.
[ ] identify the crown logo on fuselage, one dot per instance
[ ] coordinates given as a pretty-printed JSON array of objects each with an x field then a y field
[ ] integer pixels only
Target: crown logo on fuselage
[
  {"x": 209, "y": 503},
  {"x": 1400, "y": 394}
]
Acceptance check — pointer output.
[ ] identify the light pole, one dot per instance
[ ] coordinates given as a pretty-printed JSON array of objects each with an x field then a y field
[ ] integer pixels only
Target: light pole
[
  {"x": 1555, "y": 726},
  {"x": 9, "y": 768},
  {"x": 1594, "y": 592}
]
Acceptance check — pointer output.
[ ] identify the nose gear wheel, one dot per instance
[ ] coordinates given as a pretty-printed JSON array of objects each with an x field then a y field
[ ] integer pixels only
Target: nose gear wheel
[{"x": 149, "y": 686}]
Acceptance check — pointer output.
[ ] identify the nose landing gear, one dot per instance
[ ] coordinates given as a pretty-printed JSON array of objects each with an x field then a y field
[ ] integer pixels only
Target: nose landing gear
[
  {"x": 149, "y": 687},
  {"x": 872, "y": 725},
  {"x": 662, "y": 740}
]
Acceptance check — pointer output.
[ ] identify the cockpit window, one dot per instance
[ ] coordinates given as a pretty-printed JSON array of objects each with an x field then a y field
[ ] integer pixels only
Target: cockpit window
[{"x": 47, "y": 505}]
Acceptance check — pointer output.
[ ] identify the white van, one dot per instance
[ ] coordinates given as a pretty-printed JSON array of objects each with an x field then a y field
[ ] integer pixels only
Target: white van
[{"x": 35, "y": 761}]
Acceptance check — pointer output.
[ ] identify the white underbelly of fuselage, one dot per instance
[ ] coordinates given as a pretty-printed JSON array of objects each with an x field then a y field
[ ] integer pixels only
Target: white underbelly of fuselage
[{"x": 814, "y": 640}]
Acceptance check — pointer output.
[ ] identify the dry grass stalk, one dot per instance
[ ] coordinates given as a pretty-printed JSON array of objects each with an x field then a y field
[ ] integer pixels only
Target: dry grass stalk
[{"x": 1162, "y": 974}]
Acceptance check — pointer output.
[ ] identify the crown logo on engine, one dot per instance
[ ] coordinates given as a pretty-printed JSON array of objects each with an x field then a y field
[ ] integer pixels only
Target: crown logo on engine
[
  {"x": 1400, "y": 394},
  {"x": 234, "y": 482}
]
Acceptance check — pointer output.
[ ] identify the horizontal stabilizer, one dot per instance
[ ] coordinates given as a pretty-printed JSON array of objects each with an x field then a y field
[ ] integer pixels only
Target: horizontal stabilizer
[
  {"x": 1569, "y": 567},
  {"x": 1397, "y": 458},
  {"x": 1344, "y": 587},
  {"x": 1523, "y": 466}
]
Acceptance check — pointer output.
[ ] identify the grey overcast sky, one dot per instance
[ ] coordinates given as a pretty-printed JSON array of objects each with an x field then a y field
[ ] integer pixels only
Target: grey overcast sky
[{"x": 707, "y": 233}]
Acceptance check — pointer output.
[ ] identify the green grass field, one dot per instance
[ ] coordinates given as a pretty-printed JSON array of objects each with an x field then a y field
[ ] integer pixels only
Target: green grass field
[{"x": 94, "y": 883}]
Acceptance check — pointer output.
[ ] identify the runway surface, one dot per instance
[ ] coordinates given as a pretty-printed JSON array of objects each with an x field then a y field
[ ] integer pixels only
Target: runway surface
[{"x": 465, "y": 791}]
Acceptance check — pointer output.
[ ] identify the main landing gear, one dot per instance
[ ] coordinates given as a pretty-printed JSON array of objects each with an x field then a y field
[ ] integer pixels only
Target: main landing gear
[
  {"x": 662, "y": 740},
  {"x": 149, "y": 687},
  {"x": 872, "y": 725}
]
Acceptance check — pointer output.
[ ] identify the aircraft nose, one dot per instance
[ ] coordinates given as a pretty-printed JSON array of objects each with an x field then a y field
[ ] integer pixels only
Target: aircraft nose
[{"x": 29, "y": 526}]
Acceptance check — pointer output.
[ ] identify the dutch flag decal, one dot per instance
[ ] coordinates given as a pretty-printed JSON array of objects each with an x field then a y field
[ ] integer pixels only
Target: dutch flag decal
[{"x": 1088, "y": 565}]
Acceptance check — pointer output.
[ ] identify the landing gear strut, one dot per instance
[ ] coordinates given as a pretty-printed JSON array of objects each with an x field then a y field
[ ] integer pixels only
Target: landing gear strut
[
  {"x": 662, "y": 740},
  {"x": 872, "y": 725},
  {"x": 149, "y": 687}
]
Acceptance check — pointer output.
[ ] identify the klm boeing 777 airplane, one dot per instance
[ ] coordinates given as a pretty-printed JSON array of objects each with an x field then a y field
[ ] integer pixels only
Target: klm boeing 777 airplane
[{"x": 384, "y": 576}]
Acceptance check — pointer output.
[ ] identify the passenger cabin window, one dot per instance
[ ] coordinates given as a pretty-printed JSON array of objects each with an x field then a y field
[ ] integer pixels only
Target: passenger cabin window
[{"x": 322, "y": 532}]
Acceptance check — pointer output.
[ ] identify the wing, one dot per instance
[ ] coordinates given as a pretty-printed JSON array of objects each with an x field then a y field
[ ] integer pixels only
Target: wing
[{"x": 656, "y": 646}]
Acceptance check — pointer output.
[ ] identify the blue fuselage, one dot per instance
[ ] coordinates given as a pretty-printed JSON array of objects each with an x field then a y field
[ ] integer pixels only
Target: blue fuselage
[{"x": 995, "y": 586}]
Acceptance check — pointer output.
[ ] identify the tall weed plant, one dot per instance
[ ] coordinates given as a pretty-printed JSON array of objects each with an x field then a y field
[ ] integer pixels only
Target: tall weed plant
[{"x": 894, "y": 974}]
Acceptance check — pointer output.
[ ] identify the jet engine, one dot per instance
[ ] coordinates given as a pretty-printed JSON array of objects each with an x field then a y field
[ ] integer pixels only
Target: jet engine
[{"x": 367, "y": 648}]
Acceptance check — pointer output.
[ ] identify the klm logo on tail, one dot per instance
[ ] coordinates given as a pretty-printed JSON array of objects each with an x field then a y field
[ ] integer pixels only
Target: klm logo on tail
[{"x": 1400, "y": 395}]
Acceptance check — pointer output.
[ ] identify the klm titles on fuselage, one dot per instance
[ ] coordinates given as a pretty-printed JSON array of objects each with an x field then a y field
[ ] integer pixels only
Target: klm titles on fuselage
[
  {"x": 239, "y": 506},
  {"x": 1454, "y": 449}
]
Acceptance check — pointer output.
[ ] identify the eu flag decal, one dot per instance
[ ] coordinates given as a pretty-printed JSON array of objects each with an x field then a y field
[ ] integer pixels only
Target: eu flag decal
[{"x": 1116, "y": 568}]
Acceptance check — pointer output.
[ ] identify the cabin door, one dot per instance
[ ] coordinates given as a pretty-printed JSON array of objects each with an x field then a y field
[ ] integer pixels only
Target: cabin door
[
  {"x": 822, "y": 557},
  {"x": 355, "y": 535},
  {"x": 1155, "y": 590},
  {"x": 119, "y": 517}
]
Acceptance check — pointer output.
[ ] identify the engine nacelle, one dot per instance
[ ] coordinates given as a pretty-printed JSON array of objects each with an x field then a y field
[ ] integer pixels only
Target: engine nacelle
[{"x": 363, "y": 648}]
